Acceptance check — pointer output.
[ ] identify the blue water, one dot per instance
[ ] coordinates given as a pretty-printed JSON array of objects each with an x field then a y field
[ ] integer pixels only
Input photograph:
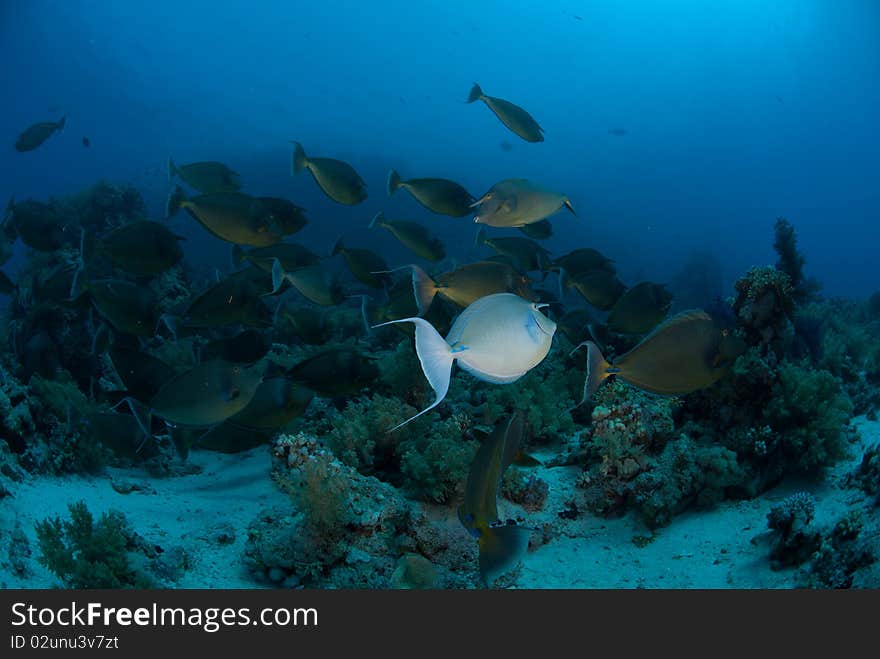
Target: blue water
[{"x": 736, "y": 112}]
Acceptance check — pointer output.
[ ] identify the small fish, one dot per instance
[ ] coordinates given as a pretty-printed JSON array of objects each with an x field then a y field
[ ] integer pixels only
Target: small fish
[
  {"x": 439, "y": 195},
  {"x": 690, "y": 351},
  {"x": 517, "y": 202},
  {"x": 141, "y": 248},
  {"x": 525, "y": 254},
  {"x": 512, "y": 116},
  {"x": 35, "y": 135},
  {"x": 640, "y": 309},
  {"x": 231, "y": 216},
  {"x": 499, "y": 338},
  {"x": 284, "y": 214},
  {"x": 246, "y": 347},
  {"x": 412, "y": 235},
  {"x": 315, "y": 282},
  {"x": 538, "y": 230},
  {"x": 337, "y": 179},
  {"x": 501, "y": 546},
  {"x": 208, "y": 177},
  {"x": 335, "y": 372},
  {"x": 506, "y": 146},
  {"x": 467, "y": 284},
  {"x": 86, "y": 142},
  {"x": 207, "y": 394},
  {"x": 618, "y": 132},
  {"x": 368, "y": 267},
  {"x": 7, "y": 286}
]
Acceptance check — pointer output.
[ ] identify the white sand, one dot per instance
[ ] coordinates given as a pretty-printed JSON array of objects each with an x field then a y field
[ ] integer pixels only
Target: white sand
[{"x": 701, "y": 549}]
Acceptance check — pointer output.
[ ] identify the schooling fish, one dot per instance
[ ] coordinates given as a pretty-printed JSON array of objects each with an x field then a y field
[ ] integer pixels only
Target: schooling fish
[
  {"x": 309, "y": 326},
  {"x": 276, "y": 402},
  {"x": 35, "y": 135},
  {"x": 500, "y": 545},
  {"x": 141, "y": 373},
  {"x": 512, "y": 116},
  {"x": 689, "y": 351},
  {"x": 439, "y": 195},
  {"x": 368, "y": 267},
  {"x": 206, "y": 394},
  {"x": 230, "y": 301},
  {"x": 291, "y": 255},
  {"x": 315, "y": 282},
  {"x": 498, "y": 339},
  {"x": 582, "y": 260},
  {"x": 141, "y": 248},
  {"x": 128, "y": 307},
  {"x": 231, "y": 216},
  {"x": 467, "y": 284},
  {"x": 336, "y": 178},
  {"x": 538, "y": 230},
  {"x": 289, "y": 217},
  {"x": 524, "y": 254},
  {"x": 517, "y": 202},
  {"x": 413, "y": 236},
  {"x": 640, "y": 309},
  {"x": 600, "y": 288},
  {"x": 335, "y": 372},
  {"x": 207, "y": 177},
  {"x": 246, "y": 347},
  {"x": 38, "y": 225}
]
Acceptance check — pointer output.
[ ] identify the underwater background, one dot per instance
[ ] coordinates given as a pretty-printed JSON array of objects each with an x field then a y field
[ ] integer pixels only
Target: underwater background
[{"x": 723, "y": 154}]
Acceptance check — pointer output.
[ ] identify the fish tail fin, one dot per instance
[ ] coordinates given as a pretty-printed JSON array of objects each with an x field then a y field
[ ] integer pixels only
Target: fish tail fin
[
  {"x": 394, "y": 182},
  {"x": 476, "y": 94},
  {"x": 174, "y": 203},
  {"x": 597, "y": 370},
  {"x": 171, "y": 322},
  {"x": 298, "y": 161},
  {"x": 481, "y": 237},
  {"x": 338, "y": 246},
  {"x": 278, "y": 277},
  {"x": 378, "y": 217},
  {"x": 435, "y": 356},
  {"x": 501, "y": 548},
  {"x": 567, "y": 203},
  {"x": 424, "y": 289}
]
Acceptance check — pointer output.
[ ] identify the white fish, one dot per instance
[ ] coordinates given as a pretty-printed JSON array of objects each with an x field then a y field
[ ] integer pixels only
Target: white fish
[{"x": 498, "y": 339}]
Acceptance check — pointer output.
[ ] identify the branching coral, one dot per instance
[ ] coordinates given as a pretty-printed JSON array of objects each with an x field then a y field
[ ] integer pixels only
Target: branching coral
[
  {"x": 809, "y": 412},
  {"x": 765, "y": 306},
  {"x": 791, "y": 261},
  {"x": 793, "y": 542},
  {"x": 685, "y": 474},
  {"x": 88, "y": 554}
]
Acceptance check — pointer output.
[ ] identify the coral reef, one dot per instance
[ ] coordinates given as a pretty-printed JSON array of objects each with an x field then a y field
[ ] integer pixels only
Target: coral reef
[
  {"x": 525, "y": 489},
  {"x": 84, "y": 553},
  {"x": 840, "y": 554},
  {"x": 793, "y": 542}
]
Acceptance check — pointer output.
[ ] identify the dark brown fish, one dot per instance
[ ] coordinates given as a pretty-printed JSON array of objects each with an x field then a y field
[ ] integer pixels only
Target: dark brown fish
[
  {"x": 689, "y": 351},
  {"x": 336, "y": 372},
  {"x": 640, "y": 309},
  {"x": 35, "y": 135}
]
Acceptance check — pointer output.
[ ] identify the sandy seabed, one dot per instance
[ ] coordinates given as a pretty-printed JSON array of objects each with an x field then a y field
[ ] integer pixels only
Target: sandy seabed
[{"x": 726, "y": 546}]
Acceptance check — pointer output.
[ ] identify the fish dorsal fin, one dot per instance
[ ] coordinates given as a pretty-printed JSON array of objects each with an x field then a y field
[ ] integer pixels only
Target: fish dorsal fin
[{"x": 683, "y": 317}]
